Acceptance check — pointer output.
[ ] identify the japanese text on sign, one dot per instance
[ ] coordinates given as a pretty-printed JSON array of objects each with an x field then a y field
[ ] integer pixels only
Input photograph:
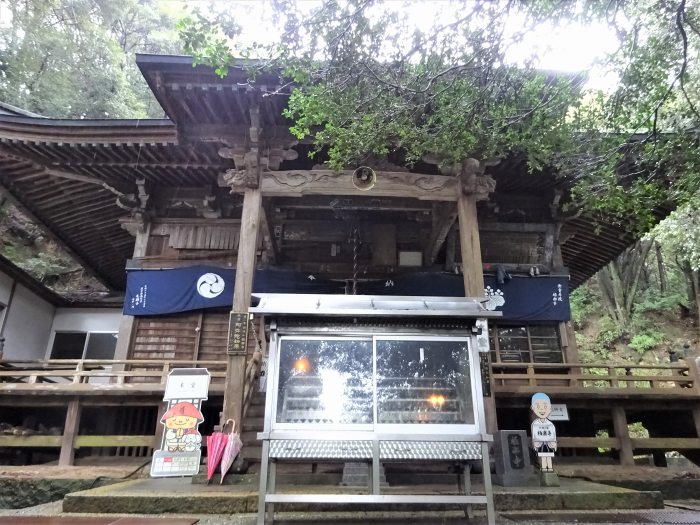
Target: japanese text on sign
[
  {"x": 237, "y": 333},
  {"x": 485, "y": 374}
]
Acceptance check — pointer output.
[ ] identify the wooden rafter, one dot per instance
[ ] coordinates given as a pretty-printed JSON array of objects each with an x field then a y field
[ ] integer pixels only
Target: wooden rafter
[
  {"x": 444, "y": 216},
  {"x": 55, "y": 238}
]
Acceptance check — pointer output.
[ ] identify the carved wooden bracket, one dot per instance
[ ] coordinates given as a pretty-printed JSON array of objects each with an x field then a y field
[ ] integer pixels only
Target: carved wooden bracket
[
  {"x": 247, "y": 175},
  {"x": 136, "y": 224},
  {"x": 255, "y": 154},
  {"x": 474, "y": 181}
]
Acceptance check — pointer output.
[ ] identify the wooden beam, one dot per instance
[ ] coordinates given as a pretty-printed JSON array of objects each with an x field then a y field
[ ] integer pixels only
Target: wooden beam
[
  {"x": 451, "y": 250},
  {"x": 588, "y": 442},
  {"x": 696, "y": 419},
  {"x": 70, "y": 431},
  {"x": 115, "y": 441},
  {"x": 272, "y": 251},
  {"x": 384, "y": 245},
  {"x": 470, "y": 246},
  {"x": 30, "y": 441},
  {"x": 667, "y": 443},
  {"x": 297, "y": 183},
  {"x": 444, "y": 216},
  {"x": 621, "y": 430},
  {"x": 5, "y": 192},
  {"x": 245, "y": 268},
  {"x": 353, "y": 203},
  {"x": 473, "y": 274}
]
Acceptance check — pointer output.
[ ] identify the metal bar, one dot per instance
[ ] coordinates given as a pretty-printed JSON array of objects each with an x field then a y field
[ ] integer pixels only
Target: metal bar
[
  {"x": 262, "y": 492},
  {"x": 370, "y": 498},
  {"x": 375, "y": 468},
  {"x": 370, "y": 436},
  {"x": 488, "y": 488}
]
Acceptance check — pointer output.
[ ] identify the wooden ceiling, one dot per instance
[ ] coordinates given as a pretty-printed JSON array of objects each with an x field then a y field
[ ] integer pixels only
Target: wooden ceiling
[{"x": 77, "y": 177}]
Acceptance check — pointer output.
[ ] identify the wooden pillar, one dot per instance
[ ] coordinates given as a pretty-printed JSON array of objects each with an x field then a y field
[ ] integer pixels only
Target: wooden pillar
[
  {"x": 126, "y": 325},
  {"x": 568, "y": 342},
  {"x": 473, "y": 273},
  {"x": 245, "y": 269},
  {"x": 470, "y": 245},
  {"x": 70, "y": 431},
  {"x": 622, "y": 434},
  {"x": 696, "y": 419}
]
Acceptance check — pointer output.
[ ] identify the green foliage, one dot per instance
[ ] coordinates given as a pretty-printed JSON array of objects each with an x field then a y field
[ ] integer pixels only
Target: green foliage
[
  {"x": 656, "y": 301},
  {"x": 610, "y": 332},
  {"x": 645, "y": 341},
  {"x": 369, "y": 81},
  {"x": 584, "y": 302},
  {"x": 637, "y": 430},
  {"x": 74, "y": 58},
  {"x": 679, "y": 233}
]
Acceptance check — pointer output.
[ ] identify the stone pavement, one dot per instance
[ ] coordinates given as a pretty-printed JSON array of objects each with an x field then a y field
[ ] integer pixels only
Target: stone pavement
[{"x": 686, "y": 512}]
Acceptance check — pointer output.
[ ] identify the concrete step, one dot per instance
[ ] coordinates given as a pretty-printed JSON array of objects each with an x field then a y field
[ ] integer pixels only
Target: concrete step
[{"x": 179, "y": 495}]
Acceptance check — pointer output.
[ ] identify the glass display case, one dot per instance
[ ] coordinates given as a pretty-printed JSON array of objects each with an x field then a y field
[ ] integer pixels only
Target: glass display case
[{"x": 384, "y": 383}]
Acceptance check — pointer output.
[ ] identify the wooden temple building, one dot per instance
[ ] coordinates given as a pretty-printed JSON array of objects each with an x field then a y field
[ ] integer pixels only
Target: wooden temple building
[{"x": 220, "y": 187}]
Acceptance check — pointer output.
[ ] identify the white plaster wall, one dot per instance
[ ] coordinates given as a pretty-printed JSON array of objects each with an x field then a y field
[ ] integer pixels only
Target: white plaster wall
[
  {"x": 84, "y": 320},
  {"x": 28, "y": 325},
  {"x": 5, "y": 288},
  {"x": 5, "y": 291},
  {"x": 87, "y": 320}
]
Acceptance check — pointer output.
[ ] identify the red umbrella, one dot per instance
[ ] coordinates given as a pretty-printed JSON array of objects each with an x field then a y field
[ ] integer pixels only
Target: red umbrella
[
  {"x": 215, "y": 449},
  {"x": 233, "y": 447}
]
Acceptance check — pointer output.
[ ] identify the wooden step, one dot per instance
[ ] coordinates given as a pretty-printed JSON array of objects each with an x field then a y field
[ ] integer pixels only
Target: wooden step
[
  {"x": 250, "y": 437},
  {"x": 255, "y": 411},
  {"x": 253, "y": 423},
  {"x": 252, "y": 452}
]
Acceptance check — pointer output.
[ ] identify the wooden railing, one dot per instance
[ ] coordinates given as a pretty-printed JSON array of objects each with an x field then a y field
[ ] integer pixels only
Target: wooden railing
[
  {"x": 85, "y": 375},
  {"x": 668, "y": 379}
]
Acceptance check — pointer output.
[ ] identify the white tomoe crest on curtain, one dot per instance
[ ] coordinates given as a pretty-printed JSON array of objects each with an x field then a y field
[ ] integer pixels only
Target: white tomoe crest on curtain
[{"x": 210, "y": 285}]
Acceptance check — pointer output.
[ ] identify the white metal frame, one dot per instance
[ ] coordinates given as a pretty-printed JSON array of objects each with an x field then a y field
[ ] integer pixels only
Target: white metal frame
[{"x": 409, "y": 432}]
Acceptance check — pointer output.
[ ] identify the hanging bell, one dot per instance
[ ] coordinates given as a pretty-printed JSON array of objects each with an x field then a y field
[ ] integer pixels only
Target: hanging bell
[{"x": 364, "y": 178}]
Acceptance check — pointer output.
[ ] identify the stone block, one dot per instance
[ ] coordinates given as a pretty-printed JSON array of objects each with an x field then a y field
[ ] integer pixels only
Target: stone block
[{"x": 512, "y": 459}]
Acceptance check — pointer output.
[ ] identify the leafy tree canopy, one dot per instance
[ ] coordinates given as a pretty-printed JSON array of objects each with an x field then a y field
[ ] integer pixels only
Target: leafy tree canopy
[
  {"x": 74, "y": 58},
  {"x": 367, "y": 80}
]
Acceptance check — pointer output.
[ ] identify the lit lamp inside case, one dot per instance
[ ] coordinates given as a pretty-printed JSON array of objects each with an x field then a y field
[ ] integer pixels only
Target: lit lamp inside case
[{"x": 374, "y": 381}]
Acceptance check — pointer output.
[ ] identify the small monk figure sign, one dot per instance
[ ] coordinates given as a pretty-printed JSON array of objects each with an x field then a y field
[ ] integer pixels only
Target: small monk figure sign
[{"x": 544, "y": 435}]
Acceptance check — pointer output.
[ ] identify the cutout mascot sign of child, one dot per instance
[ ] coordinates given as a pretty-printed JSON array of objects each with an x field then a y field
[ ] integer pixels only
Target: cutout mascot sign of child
[
  {"x": 181, "y": 449},
  {"x": 544, "y": 435},
  {"x": 181, "y": 422}
]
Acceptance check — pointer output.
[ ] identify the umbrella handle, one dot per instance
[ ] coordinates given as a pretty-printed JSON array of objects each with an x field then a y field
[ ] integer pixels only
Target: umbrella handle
[{"x": 233, "y": 425}]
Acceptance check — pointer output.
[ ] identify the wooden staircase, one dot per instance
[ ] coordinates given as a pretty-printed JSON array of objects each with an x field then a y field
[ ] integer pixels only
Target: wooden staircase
[{"x": 252, "y": 424}]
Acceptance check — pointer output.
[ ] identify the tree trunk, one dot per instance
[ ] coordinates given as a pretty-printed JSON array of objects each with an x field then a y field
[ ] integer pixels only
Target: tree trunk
[
  {"x": 690, "y": 282},
  {"x": 619, "y": 281},
  {"x": 663, "y": 279}
]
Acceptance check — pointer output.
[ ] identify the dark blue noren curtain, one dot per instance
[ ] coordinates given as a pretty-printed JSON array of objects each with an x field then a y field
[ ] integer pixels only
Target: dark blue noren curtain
[
  {"x": 540, "y": 298},
  {"x": 155, "y": 292}
]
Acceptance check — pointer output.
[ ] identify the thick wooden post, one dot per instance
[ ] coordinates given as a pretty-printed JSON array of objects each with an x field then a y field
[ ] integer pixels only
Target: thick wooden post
[
  {"x": 696, "y": 419},
  {"x": 619, "y": 419},
  {"x": 473, "y": 273},
  {"x": 126, "y": 325},
  {"x": 245, "y": 268},
  {"x": 70, "y": 431},
  {"x": 470, "y": 246}
]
